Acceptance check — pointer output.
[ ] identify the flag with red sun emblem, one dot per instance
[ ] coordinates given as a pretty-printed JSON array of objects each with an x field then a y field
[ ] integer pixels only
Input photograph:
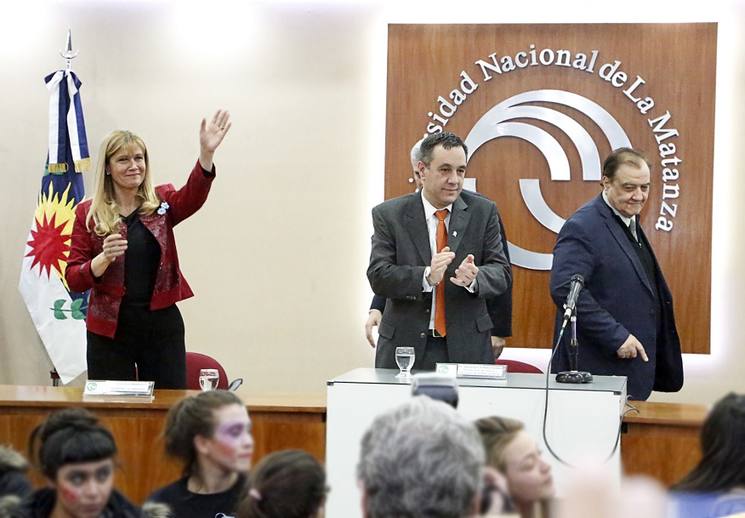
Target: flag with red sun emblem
[{"x": 57, "y": 312}]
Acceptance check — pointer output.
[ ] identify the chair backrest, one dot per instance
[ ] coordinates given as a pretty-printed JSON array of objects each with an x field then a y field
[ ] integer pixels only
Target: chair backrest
[
  {"x": 197, "y": 361},
  {"x": 518, "y": 366}
]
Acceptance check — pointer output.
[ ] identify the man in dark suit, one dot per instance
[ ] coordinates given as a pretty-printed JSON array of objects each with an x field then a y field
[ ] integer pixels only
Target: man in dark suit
[
  {"x": 625, "y": 321},
  {"x": 436, "y": 257},
  {"x": 500, "y": 307}
]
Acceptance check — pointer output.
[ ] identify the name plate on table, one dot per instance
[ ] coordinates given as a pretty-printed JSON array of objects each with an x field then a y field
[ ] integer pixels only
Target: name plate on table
[
  {"x": 472, "y": 370},
  {"x": 128, "y": 390}
]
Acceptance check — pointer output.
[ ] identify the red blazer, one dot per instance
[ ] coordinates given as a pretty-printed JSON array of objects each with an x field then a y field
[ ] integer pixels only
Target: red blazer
[{"x": 107, "y": 291}]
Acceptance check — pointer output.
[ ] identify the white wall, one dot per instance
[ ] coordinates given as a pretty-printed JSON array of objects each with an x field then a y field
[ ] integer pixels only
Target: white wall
[{"x": 277, "y": 257}]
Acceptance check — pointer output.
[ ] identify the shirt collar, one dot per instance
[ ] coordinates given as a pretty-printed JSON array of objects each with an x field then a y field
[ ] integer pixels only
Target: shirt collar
[
  {"x": 429, "y": 209},
  {"x": 625, "y": 219}
]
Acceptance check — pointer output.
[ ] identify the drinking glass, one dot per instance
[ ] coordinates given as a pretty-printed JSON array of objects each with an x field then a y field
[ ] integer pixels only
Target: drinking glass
[
  {"x": 208, "y": 379},
  {"x": 405, "y": 361}
]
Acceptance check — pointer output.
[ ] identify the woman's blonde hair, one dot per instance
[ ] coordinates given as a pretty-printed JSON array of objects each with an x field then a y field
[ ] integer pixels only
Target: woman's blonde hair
[
  {"x": 496, "y": 433},
  {"x": 104, "y": 211}
]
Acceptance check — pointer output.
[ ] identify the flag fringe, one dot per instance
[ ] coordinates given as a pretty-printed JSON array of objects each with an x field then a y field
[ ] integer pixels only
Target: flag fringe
[
  {"x": 82, "y": 165},
  {"x": 57, "y": 168}
]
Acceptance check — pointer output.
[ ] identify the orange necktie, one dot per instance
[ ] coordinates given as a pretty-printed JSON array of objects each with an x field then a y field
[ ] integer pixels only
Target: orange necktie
[{"x": 442, "y": 242}]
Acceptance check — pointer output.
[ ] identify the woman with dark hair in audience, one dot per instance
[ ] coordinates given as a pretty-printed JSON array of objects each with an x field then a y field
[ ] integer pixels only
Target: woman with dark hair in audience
[
  {"x": 76, "y": 455},
  {"x": 514, "y": 453},
  {"x": 716, "y": 486},
  {"x": 211, "y": 434},
  {"x": 285, "y": 484}
]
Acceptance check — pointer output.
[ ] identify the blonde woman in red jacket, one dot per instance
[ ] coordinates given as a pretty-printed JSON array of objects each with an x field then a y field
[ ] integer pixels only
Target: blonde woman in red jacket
[{"x": 123, "y": 250}]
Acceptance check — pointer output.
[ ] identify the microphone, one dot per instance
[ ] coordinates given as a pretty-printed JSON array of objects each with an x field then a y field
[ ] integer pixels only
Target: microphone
[
  {"x": 577, "y": 283},
  {"x": 573, "y": 375}
]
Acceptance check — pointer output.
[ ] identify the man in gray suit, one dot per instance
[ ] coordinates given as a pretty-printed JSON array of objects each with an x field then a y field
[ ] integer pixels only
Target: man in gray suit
[{"x": 437, "y": 256}]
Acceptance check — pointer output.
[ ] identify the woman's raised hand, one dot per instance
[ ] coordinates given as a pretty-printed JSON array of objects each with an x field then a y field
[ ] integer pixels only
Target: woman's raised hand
[{"x": 210, "y": 136}]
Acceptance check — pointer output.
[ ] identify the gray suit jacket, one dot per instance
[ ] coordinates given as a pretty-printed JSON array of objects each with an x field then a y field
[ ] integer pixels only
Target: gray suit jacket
[{"x": 401, "y": 252}]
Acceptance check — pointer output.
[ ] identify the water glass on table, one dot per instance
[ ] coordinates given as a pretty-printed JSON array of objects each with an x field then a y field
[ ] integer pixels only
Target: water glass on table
[{"x": 405, "y": 361}]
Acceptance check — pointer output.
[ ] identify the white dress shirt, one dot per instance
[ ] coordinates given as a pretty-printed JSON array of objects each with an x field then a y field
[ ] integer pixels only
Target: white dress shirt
[
  {"x": 432, "y": 222},
  {"x": 630, "y": 222}
]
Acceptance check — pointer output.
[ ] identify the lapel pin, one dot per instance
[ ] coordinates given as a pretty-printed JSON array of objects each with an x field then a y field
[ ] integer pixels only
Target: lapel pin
[{"x": 455, "y": 233}]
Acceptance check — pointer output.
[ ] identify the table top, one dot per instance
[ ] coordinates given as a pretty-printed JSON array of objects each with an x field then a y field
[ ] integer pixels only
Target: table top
[
  {"x": 677, "y": 414},
  {"x": 513, "y": 381},
  {"x": 48, "y": 396}
]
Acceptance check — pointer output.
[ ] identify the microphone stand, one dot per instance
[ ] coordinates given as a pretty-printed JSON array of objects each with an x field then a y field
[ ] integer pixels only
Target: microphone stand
[{"x": 573, "y": 375}]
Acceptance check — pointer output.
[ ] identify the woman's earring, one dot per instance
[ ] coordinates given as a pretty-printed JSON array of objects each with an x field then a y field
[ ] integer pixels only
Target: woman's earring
[{"x": 107, "y": 173}]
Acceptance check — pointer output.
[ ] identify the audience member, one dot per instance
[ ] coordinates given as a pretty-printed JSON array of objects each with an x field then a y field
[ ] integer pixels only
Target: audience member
[
  {"x": 421, "y": 459},
  {"x": 77, "y": 456},
  {"x": 211, "y": 434},
  {"x": 495, "y": 495},
  {"x": 511, "y": 451},
  {"x": 285, "y": 484},
  {"x": 13, "y": 482},
  {"x": 593, "y": 491},
  {"x": 716, "y": 486}
]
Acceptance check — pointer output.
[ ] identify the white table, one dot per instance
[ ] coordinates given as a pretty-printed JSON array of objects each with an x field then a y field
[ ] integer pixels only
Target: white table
[{"x": 582, "y": 425}]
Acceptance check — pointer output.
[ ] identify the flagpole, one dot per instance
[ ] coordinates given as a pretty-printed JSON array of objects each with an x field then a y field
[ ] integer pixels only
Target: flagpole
[{"x": 68, "y": 55}]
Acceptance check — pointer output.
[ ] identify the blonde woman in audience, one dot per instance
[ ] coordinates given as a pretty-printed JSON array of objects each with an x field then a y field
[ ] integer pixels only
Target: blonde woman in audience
[
  {"x": 285, "y": 484},
  {"x": 210, "y": 433},
  {"x": 512, "y": 452}
]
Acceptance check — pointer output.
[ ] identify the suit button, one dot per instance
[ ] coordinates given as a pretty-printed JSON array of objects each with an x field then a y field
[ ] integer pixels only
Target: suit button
[
  {"x": 422, "y": 335},
  {"x": 426, "y": 310}
]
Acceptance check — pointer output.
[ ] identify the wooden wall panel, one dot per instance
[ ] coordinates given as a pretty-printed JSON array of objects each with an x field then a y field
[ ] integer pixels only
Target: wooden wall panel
[
  {"x": 279, "y": 422},
  {"x": 678, "y": 63},
  {"x": 662, "y": 440}
]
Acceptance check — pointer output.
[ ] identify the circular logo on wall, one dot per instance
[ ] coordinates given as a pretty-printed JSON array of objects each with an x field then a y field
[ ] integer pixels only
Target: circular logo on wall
[{"x": 498, "y": 122}]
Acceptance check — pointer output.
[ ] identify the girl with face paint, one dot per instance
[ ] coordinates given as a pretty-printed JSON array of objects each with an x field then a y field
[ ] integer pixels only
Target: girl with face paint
[
  {"x": 77, "y": 456},
  {"x": 211, "y": 434}
]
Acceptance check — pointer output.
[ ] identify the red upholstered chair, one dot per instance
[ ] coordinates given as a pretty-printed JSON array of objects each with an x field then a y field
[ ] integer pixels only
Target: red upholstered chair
[
  {"x": 518, "y": 366},
  {"x": 197, "y": 361}
]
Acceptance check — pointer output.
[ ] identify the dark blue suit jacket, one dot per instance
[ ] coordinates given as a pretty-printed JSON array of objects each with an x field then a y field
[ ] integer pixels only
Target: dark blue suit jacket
[{"x": 618, "y": 299}]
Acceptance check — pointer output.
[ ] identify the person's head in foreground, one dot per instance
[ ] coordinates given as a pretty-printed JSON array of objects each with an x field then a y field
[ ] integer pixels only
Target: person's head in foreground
[
  {"x": 593, "y": 491},
  {"x": 722, "y": 464},
  {"x": 211, "y": 434},
  {"x": 77, "y": 456},
  {"x": 514, "y": 453},
  {"x": 421, "y": 459},
  {"x": 285, "y": 484}
]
